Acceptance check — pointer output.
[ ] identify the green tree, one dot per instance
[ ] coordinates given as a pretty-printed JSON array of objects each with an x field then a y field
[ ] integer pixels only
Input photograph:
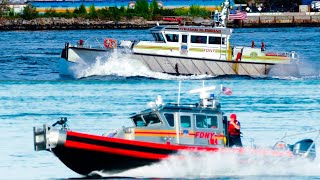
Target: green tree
[
  {"x": 130, "y": 13},
  {"x": 154, "y": 8},
  {"x": 11, "y": 13},
  {"x": 142, "y": 8},
  {"x": 181, "y": 11},
  {"x": 29, "y": 12},
  {"x": 92, "y": 12},
  {"x": 115, "y": 13},
  {"x": 51, "y": 13},
  {"x": 123, "y": 11},
  {"x": 194, "y": 10},
  {"x": 168, "y": 12},
  {"x": 82, "y": 9},
  {"x": 68, "y": 14},
  {"x": 104, "y": 13},
  {"x": 4, "y": 8},
  {"x": 75, "y": 11}
]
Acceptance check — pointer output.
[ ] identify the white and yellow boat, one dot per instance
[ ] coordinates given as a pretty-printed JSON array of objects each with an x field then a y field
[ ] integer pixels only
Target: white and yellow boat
[{"x": 185, "y": 50}]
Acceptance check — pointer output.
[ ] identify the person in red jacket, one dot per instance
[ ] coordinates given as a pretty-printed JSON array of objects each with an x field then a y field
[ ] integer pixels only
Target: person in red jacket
[{"x": 234, "y": 132}]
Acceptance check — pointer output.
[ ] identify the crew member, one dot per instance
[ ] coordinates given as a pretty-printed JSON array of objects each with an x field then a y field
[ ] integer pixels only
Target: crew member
[
  {"x": 234, "y": 132},
  {"x": 80, "y": 43},
  {"x": 252, "y": 44},
  {"x": 262, "y": 46}
]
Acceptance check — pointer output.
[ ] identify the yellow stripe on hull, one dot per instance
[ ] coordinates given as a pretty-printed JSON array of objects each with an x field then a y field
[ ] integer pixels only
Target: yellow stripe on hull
[{"x": 157, "y": 47}]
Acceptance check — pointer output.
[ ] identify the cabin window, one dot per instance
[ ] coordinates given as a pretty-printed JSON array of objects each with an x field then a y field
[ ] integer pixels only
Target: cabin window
[
  {"x": 199, "y": 39},
  {"x": 138, "y": 121},
  {"x": 151, "y": 119},
  {"x": 217, "y": 40},
  {"x": 203, "y": 121},
  {"x": 158, "y": 37},
  {"x": 172, "y": 37},
  {"x": 184, "y": 38},
  {"x": 170, "y": 119},
  {"x": 185, "y": 121}
]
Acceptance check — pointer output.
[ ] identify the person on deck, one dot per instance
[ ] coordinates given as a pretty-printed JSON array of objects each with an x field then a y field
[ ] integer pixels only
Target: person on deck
[
  {"x": 80, "y": 43},
  {"x": 262, "y": 46},
  {"x": 234, "y": 132}
]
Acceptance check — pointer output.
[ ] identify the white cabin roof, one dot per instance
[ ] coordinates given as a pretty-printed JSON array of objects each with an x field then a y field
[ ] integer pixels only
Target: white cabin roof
[{"x": 193, "y": 29}]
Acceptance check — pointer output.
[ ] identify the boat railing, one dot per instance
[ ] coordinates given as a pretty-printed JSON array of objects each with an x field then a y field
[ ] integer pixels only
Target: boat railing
[
  {"x": 309, "y": 151},
  {"x": 300, "y": 134},
  {"x": 91, "y": 42}
]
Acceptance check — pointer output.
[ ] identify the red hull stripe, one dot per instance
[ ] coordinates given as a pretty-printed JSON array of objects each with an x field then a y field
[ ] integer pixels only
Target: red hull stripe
[
  {"x": 146, "y": 132},
  {"x": 136, "y": 143},
  {"x": 267, "y": 152},
  {"x": 123, "y": 152}
]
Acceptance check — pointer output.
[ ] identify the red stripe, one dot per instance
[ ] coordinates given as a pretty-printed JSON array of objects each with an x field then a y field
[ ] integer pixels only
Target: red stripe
[
  {"x": 148, "y": 132},
  {"x": 138, "y": 154},
  {"x": 141, "y": 143},
  {"x": 163, "y": 146},
  {"x": 130, "y": 142}
]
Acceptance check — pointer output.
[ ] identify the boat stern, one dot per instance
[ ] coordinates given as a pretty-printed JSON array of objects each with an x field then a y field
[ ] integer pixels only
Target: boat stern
[{"x": 48, "y": 137}]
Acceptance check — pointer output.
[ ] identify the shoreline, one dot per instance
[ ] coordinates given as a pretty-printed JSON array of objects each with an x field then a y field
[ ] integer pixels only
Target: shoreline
[{"x": 254, "y": 20}]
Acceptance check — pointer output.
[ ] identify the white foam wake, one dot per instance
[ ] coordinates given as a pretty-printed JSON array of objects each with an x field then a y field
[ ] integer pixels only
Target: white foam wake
[
  {"x": 208, "y": 165},
  {"x": 120, "y": 64}
]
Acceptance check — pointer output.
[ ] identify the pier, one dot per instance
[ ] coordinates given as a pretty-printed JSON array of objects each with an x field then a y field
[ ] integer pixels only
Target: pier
[{"x": 278, "y": 19}]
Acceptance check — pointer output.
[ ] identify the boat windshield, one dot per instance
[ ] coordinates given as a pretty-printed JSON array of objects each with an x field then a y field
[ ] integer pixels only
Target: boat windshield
[
  {"x": 204, "y": 121},
  {"x": 138, "y": 121},
  {"x": 151, "y": 119},
  {"x": 145, "y": 120},
  {"x": 158, "y": 37}
]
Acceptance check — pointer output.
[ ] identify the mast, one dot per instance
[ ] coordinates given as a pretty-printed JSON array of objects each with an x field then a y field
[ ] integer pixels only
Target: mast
[{"x": 221, "y": 18}]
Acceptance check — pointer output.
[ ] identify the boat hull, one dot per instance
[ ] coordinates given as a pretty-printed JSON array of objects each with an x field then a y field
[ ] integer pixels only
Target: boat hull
[
  {"x": 163, "y": 64},
  {"x": 195, "y": 66},
  {"x": 84, "y": 161},
  {"x": 85, "y": 153}
]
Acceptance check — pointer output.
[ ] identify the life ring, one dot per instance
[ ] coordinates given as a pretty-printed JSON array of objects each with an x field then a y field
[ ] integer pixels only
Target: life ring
[{"x": 110, "y": 43}]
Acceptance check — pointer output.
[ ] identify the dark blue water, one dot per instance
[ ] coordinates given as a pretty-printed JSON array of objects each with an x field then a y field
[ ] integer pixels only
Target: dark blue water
[{"x": 33, "y": 93}]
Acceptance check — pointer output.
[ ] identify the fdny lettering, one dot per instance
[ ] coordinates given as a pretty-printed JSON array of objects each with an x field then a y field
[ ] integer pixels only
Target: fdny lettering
[
  {"x": 209, "y": 50},
  {"x": 207, "y": 135},
  {"x": 200, "y": 30}
]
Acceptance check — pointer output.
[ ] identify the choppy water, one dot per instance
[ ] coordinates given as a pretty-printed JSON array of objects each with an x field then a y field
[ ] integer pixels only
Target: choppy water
[{"x": 33, "y": 93}]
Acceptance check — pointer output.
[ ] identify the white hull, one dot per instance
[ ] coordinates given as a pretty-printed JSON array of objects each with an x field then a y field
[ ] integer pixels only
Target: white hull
[{"x": 77, "y": 57}]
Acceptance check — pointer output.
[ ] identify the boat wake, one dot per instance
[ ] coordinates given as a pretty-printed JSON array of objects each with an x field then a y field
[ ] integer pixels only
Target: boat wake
[
  {"x": 120, "y": 65},
  {"x": 299, "y": 70},
  {"x": 208, "y": 165}
]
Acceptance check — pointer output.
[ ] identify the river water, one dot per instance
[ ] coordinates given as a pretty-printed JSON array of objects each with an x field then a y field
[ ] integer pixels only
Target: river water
[{"x": 102, "y": 98}]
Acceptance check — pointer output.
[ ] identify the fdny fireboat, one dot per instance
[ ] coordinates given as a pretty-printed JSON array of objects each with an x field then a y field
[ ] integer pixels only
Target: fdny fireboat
[
  {"x": 183, "y": 50},
  {"x": 156, "y": 133}
]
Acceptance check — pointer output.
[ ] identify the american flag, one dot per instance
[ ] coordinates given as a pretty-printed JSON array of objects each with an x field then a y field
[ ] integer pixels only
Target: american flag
[
  {"x": 238, "y": 15},
  {"x": 226, "y": 91}
]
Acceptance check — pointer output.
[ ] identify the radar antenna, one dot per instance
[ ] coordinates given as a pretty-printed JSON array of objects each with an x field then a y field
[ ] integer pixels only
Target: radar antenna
[{"x": 207, "y": 99}]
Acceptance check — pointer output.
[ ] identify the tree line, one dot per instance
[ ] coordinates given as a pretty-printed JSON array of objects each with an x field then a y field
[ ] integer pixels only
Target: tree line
[{"x": 149, "y": 11}]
